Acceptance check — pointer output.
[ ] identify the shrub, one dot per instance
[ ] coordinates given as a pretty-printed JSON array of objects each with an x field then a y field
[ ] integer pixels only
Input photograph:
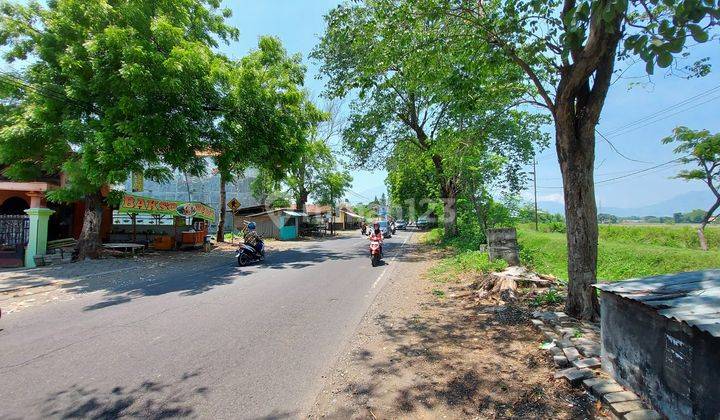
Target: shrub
[{"x": 549, "y": 297}]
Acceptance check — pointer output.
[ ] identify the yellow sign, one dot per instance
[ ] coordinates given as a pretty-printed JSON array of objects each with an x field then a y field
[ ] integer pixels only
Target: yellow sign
[{"x": 234, "y": 204}]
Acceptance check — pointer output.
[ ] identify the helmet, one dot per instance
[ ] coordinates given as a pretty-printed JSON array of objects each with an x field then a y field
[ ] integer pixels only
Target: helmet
[
  {"x": 376, "y": 225},
  {"x": 251, "y": 226}
]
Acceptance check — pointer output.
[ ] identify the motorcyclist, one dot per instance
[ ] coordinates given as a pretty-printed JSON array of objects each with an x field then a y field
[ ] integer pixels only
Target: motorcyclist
[
  {"x": 251, "y": 236},
  {"x": 376, "y": 235}
]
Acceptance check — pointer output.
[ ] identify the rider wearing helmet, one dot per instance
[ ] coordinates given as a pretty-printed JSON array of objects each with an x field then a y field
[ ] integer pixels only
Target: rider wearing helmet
[
  {"x": 251, "y": 236},
  {"x": 376, "y": 235}
]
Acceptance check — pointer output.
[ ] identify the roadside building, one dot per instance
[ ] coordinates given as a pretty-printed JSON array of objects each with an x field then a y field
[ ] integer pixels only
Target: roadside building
[
  {"x": 661, "y": 339},
  {"x": 28, "y": 221},
  {"x": 281, "y": 224},
  {"x": 204, "y": 189}
]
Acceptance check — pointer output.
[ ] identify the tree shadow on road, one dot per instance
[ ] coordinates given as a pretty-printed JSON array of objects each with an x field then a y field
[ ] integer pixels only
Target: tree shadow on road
[
  {"x": 450, "y": 360},
  {"x": 190, "y": 281},
  {"x": 148, "y": 400}
]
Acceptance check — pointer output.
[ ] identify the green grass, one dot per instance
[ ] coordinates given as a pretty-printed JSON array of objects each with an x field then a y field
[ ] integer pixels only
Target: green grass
[
  {"x": 472, "y": 262},
  {"x": 676, "y": 236},
  {"x": 621, "y": 255}
]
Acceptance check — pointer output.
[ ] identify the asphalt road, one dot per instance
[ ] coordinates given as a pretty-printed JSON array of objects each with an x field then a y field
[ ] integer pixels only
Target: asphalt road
[{"x": 217, "y": 341}]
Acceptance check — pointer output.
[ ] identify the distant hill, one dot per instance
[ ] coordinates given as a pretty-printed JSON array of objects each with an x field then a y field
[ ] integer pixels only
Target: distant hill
[{"x": 680, "y": 203}]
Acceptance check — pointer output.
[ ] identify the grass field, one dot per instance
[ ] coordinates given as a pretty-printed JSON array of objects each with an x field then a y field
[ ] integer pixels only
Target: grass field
[{"x": 625, "y": 251}]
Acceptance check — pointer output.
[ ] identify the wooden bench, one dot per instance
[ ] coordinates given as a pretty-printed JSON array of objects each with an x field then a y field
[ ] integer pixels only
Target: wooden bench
[{"x": 63, "y": 245}]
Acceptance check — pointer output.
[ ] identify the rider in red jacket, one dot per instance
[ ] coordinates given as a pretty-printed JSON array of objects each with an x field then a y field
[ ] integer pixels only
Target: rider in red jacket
[{"x": 376, "y": 235}]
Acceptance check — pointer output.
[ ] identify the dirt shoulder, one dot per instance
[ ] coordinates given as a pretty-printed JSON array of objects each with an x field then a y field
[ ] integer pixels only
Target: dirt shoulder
[{"x": 422, "y": 352}]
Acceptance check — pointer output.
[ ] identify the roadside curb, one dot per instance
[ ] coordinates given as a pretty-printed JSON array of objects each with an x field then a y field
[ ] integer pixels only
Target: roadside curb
[{"x": 577, "y": 360}]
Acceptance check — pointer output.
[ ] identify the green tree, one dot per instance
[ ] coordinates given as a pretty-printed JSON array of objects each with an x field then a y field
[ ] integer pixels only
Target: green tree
[
  {"x": 263, "y": 117},
  {"x": 568, "y": 50},
  {"x": 413, "y": 90},
  {"x": 109, "y": 88},
  {"x": 703, "y": 150}
]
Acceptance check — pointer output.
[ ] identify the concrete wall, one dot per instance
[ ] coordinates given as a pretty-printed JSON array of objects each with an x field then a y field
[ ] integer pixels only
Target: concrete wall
[{"x": 674, "y": 366}]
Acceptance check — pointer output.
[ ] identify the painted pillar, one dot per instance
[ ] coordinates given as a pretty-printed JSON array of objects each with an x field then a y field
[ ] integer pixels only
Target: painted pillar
[{"x": 37, "y": 238}]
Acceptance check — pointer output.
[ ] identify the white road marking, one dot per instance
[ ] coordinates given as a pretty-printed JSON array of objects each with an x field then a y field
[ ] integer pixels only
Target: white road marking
[{"x": 391, "y": 260}]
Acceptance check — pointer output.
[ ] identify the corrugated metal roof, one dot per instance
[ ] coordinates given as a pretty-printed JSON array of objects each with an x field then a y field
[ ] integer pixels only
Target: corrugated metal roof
[
  {"x": 294, "y": 213},
  {"x": 692, "y": 297}
]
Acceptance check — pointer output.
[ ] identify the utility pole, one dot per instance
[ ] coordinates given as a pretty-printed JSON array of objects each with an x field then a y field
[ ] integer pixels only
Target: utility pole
[{"x": 535, "y": 188}]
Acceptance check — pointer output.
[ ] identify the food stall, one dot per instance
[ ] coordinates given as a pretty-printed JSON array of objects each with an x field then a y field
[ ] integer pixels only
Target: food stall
[{"x": 190, "y": 220}]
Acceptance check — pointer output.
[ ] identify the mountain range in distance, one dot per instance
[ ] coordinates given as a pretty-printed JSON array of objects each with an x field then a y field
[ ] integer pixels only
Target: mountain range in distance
[{"x": 682, "y": 203}]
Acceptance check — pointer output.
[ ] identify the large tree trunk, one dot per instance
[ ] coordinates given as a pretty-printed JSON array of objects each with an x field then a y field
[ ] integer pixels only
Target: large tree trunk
[
  {"x": 220, "y": 236},
  {"x": 89, "y": 244},
  {"x": 576, "y": 153},
  {"x": 301, "y": 200}
]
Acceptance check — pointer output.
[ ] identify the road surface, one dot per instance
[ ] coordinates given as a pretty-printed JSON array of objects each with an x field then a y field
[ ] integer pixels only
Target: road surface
[{"x": 217, "y": 341}]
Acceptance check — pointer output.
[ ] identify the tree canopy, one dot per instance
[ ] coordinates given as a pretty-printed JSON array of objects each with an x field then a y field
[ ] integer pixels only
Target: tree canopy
[{"x": 416, "y": 95}]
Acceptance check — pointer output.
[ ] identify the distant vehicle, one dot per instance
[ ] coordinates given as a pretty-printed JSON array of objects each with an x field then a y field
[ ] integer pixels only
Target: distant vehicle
[
  {"x": 401, "y": 224},
  {"x": 385, "y": 229},
  {"x": 422, "y": 222}
]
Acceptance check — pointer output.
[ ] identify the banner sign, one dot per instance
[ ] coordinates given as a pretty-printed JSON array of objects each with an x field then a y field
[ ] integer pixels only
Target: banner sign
[{"x": 137, "y": 204}]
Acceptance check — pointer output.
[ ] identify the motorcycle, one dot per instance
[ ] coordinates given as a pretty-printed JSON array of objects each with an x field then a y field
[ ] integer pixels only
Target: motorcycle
[
  {"x": 375, "y": 253},
  {"x": 247, "y": 254}
]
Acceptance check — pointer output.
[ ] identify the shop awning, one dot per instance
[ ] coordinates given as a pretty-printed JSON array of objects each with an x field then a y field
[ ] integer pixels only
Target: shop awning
[{"x": 135, "y": 204}]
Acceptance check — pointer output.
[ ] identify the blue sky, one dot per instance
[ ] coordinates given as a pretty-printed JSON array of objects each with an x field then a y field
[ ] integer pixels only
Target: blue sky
[{"x": 299, "y": 23}]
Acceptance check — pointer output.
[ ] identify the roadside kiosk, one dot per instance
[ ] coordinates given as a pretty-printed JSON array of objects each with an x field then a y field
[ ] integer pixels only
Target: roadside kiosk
[{"x": 189, "y": 227}]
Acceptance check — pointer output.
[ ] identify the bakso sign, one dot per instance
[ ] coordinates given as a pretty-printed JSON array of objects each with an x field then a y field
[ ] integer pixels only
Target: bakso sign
[{"x": 137, "y": 204}]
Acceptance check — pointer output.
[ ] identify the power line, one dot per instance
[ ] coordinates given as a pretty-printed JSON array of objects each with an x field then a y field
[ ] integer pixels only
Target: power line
[
  {"x": 641, "y": 171},
  {"x": 661, "y": 118},
  {"x": 17, "y": 81},
  {"x": 662, "y": 111},
  {"x": 618, "y": 151}
]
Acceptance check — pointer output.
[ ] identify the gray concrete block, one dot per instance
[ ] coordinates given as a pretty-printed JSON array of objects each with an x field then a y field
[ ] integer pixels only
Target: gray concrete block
[
  {"x": 537, "y": 323},
  {"x": 571, "y": 353},
  {"x": 574, "y": 375},
  {"x": 589, "y": 383},
  {"x": 622, "y": 396},
  {"x": 561, "y": 361},
  {"x": 556, "y": 351},
  {"x": 605, "y": 387},
  {"x": 589, "y": 363},
  {"x": 643, "y": 415},
  {"x": 622, "y": 408}
]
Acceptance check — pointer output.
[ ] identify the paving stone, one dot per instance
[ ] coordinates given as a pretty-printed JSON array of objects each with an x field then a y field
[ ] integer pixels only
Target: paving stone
[
  {"x": 622, "y": 408},
  {"x": 643, "y": 415},
  {"x": 582, "y": 341},
  {"x": 556, "y": 351},
  {"x": 561, "y": 373},
  {"x": 571, "y": 353},
  {"x": 561, "y": 361},
  {"x": 590, "y": 363},
  {"x": 606, "y": 387},
  {"x": 616, "y": 397},
  {"x": 565, "y": 343},
  {"x": 577, "y": 376},
  {"x": 590, "y": 382},
  {"x": 589, "y": 351}
]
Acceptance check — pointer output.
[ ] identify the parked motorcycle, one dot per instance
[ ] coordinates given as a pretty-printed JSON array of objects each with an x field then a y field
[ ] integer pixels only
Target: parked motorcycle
[
  {"x": 375, "y": 253},
  {"x": 247, "y": 254}
]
